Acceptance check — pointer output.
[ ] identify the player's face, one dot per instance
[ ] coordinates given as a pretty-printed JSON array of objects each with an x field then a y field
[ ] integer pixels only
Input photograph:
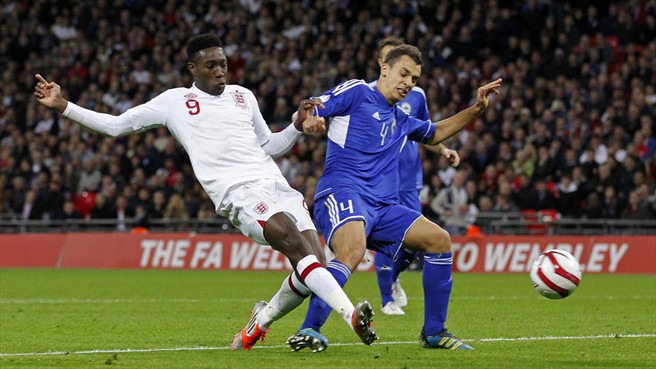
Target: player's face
[
  {"x": 397, "y": 81},
  {"x": 210, "y": 68}
]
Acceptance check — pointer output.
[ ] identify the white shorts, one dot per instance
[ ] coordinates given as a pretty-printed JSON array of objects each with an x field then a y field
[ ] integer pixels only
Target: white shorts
[{"x": 250, "y": 205}]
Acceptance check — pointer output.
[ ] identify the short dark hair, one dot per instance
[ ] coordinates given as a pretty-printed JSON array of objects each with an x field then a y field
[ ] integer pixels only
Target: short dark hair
[
  {"x": 201, "y": 42},
  {"x": 389, "y": 41},
  {"x": 396, "y": 53}
]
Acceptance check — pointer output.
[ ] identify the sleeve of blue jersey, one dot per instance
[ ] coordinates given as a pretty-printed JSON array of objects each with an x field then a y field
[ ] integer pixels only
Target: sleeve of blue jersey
[
  {"x": 342, "y": 98},
  {"x": 422, "y": 112},
  {"x": 421, "y": 130}
]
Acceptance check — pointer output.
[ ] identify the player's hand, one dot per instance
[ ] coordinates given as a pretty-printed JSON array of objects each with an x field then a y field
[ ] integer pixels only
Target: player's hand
[
  {"x": 452, "y": 156},
  {"x": 314, "y": 125},
  {"x": 306, "y": 109},
  {"x": 483, "y": 93},
  {"x": 49, "y": 94}
]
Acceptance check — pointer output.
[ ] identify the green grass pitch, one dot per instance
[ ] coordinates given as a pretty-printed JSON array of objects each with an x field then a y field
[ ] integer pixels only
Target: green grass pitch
[{"x": 186, "y": 319}]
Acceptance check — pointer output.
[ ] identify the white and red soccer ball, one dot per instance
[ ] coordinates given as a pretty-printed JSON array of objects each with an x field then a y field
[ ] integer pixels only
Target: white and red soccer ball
[{"x": 555, "y": 274}]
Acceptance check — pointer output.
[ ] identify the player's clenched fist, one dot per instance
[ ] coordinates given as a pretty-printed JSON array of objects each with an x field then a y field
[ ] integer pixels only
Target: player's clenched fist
[{"x": 314, "y": 125}]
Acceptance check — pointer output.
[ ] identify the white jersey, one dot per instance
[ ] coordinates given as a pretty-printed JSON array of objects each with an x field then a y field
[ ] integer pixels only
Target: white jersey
[{"x": 223, "y": 135}]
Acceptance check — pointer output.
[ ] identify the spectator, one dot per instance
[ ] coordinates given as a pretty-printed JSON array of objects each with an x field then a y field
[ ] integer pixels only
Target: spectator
[
  {"x": 485, "y": 204},
  {"x": 16, "y": 194},
  {"x": 141, "y": 218},
  {"x": 612, "y": 204},
  {"x": 523, "y": 195},
  {"x": 593, "y": 208},
  {"x": 175, "y": 208},
  {"x": 68, "y": 212},
  {"x": 452, "y": 205},
  {"x": 157, "y": 207},
  {"x": 597, "y": 151},
  {"x": 568, "y": 197},
  {"x": 636, "y": 208},
  {"x": 445, "y": 171},
  {"x": 541, "y": 197},
  {"x": 524, "y": 163},
  {"x": 122, "y": 213},
  {"x": 545, "y": 166},
  {"x": 89, "y": 178},
  {"x": 102, "y": 209},
  {"x": 52, "y": 198},
  {"x": 31, "y": 209},
  {"x": 504, "y": 204}
]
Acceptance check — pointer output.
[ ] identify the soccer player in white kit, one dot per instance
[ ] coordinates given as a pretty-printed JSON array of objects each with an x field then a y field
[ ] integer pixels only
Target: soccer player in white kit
[{"x": 230, "y": 148}]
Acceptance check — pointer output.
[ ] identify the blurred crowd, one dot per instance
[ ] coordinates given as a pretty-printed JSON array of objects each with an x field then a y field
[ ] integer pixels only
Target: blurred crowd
[{"x": 573, "y": 130}]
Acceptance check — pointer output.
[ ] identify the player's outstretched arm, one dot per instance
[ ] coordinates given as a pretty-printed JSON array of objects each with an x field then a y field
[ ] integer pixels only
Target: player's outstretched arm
[
  {"x": 452, "y": 125},
  {"x": 49, "y": 94}
]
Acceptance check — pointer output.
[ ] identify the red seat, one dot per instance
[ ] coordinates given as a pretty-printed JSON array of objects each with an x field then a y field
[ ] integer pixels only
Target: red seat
[{"x": 537, "y": 222}]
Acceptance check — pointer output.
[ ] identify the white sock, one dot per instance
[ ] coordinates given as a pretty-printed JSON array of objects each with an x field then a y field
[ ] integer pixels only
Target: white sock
[
  {"x": 324, "y": 285},
  {"x": 290, "y": 295}
]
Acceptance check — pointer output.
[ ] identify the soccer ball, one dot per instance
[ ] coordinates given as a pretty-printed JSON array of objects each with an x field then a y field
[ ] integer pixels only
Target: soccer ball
[{"x": 555, "y": 274}]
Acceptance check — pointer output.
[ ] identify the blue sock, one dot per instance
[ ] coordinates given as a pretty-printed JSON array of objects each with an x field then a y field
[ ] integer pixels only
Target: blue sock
[
  {"x": 437, "y": 291},
  {"x": 403, "y": 261},
  {"x": 386, "y": 276},
  {"x": 318, "y": 311}
]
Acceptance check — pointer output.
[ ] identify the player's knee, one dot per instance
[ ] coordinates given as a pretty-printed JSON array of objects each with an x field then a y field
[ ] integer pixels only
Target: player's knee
[
  {"x": 351, "y": 254},
  {"x": 440, "y": 241}
]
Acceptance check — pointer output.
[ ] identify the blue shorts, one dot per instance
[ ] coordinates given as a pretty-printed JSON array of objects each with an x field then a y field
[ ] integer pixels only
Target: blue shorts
[{"x": 385, "y": 225}]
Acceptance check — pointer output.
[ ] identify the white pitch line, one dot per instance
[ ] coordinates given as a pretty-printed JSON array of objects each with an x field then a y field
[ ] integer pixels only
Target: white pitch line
[
  {"x": 210, "y": 348},
  {"x": 112, "y": 301},
  {"x": 18, "y": 301}
]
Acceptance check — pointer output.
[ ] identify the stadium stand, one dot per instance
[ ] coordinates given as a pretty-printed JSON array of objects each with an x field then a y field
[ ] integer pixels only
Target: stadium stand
[{"x": 569, "y": 147}]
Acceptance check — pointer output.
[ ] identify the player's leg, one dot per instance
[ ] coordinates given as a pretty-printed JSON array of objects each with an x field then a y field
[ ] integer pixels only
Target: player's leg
[
  {"x": 348, "y": 245},
  {"x": 385, "y": 276},
  {"x": 387, "y": 272},
  {"x": 292, "y": 292},
  {"x": 265, "y": 222},
  {"x": 435, "y": 242},
  {"x": 318, "y": 311},
  {"x": 308, "y": 276},
  {"x": 296, "y": 209},
  {"x": 403, "y": 260},
  {"x": 341, "y": 217},
  {"x": 405, "y": 257}
]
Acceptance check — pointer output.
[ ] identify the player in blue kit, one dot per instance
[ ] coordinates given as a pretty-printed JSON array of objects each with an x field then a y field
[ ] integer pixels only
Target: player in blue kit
[
  {"x": 410, "y": 184},
  {"x": 357, "y": 203}
]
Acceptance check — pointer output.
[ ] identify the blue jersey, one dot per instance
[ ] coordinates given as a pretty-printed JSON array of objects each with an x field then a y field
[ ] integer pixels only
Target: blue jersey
[
  {"x": 365, "y": 137},
  {"x": 410, "y": 168}
]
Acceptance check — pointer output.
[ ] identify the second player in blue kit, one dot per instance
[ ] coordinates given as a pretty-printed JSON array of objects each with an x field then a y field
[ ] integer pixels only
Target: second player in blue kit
[{"x": 410, "y": 174}]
